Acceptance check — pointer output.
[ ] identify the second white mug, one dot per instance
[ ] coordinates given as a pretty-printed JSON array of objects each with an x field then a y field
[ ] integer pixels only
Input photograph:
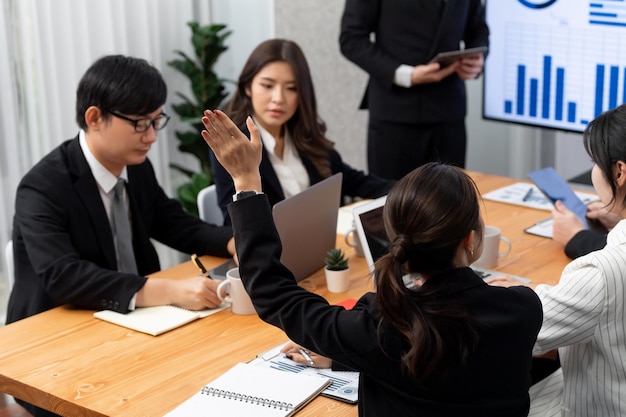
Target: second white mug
[
  {"x": 491, "y": 248},
  {"x": 238, "y": 298},
  {"x": 352, "y": 239}
]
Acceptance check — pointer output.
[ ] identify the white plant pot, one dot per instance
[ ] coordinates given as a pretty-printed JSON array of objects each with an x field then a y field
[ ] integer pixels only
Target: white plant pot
[{"x": 337, "y": 281}]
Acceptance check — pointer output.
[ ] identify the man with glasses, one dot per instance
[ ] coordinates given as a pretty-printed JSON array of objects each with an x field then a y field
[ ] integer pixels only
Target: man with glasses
[{"x": 69, "y": 244}]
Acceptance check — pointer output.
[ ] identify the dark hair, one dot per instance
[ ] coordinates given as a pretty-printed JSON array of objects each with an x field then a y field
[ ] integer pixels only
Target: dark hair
[
  {"x": 119, "y": 83},
  {"x": 307, "y": 130},
  {"x": 605, "y": 142},
  {"x": 427, "y": 215}
]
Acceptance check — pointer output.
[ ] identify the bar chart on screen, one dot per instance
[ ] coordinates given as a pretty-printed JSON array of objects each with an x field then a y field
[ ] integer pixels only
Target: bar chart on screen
[{"x": 559, "y": 65}]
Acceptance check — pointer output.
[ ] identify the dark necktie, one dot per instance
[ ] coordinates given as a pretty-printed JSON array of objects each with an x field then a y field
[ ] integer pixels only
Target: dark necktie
[{"x": 122, "y": 236}]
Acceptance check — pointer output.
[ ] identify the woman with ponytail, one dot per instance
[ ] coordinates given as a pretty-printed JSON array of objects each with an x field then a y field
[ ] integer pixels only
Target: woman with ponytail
[{"x": 450, "y": 346}]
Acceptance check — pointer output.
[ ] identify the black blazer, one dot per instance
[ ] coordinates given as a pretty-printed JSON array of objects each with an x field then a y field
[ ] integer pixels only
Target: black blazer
[
  {"x": 494, "y": 381},
  {"x": 355, "y": 183},
  {"x": 63, "y": 247},
  {"x": 408, "y": 32},
  {"x": 584, "y": 242}
]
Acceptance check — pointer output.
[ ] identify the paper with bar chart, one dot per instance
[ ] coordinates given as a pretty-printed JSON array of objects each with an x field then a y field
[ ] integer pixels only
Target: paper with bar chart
[{"x": 555, "y": 63}]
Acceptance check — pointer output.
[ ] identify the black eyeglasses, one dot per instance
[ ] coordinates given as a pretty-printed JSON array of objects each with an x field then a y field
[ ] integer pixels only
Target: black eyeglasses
[{"x": 141, "y": 125}]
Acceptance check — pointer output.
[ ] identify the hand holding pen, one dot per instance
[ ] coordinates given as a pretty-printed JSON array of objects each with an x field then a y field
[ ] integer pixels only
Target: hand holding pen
[
  {"x": 304, "y": 356},
  {"x": 196, "y": 261}
]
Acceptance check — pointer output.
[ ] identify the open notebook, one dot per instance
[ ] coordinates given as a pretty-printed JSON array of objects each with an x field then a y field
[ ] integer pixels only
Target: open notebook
[
  {"x": 155, "y": 320},
  {"x": 251, "y": 391}
]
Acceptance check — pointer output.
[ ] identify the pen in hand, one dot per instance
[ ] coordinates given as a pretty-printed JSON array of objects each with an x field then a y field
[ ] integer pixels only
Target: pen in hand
[
  {"x": 307, "y": 357},
  {"x": 196, "y": 261}
]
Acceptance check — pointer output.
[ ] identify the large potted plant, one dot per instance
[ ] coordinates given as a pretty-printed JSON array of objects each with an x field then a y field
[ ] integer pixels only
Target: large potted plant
[{"x": 208, "y": 92}]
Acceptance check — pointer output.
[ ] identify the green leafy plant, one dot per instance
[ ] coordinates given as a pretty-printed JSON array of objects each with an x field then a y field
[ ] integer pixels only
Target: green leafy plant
[
  {"x": 335, "y": 260},
  {"x": 208, "y": 92}
]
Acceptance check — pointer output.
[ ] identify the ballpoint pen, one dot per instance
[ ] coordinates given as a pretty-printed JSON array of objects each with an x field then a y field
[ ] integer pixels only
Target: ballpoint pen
[
  {"x": 307, "y": 357},
  {"x": 196, "y": 261},
  {"x": 528, "y": 193}
]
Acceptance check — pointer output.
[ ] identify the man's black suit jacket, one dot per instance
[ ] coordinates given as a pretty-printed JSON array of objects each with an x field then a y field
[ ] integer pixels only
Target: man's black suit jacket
[
  {"x": 63, "y": 246},
  {"x": 408, "y": 32}
]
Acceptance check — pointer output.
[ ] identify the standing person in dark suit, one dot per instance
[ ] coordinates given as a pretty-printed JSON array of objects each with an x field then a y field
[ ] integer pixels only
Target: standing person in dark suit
[
  {"x": 64, "y": 246},
  {"x": 416, "y": 110},
  {"x": 276, "y": 89}
]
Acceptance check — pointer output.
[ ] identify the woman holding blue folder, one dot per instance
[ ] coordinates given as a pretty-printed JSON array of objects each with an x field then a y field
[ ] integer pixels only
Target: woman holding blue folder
[{"x": 584, "y": 315}]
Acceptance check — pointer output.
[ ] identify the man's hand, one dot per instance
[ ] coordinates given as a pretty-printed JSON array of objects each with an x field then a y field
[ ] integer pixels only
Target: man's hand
[
  {"x": 431, "y": 73},
  {"x": 470, "y": 68},
  {"x": 194, "y": 293}
]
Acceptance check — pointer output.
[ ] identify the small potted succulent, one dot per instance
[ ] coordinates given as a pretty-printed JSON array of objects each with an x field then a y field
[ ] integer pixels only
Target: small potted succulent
[{"x": 337, "y": 270}]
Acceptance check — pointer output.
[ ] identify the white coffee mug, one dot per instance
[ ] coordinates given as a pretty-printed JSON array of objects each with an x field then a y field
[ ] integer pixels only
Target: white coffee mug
[
  {"x": 238, "y": 298},
  {"x": 352, "y": 239},
  {"x": 491, "y": 248}
]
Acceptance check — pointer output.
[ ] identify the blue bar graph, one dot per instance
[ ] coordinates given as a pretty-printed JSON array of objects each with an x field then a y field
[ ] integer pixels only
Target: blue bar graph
[
  {"x": 558, "y": 99},
  {"x": 545, "y": 96},
  {"x": 521, "y": 88},
  {"x": 599, "y": 90},
  {"x": 571, "y": 112},
  {"x": 547, "y": 72},
  {"x": 534, "y": 87}
]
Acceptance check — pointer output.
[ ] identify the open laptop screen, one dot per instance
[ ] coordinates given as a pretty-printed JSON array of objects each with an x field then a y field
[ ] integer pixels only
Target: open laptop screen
[{"x": 368, "y": 218}]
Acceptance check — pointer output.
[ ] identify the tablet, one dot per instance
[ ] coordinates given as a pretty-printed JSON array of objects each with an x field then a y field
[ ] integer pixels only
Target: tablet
[{"x": 447, "y": 58}]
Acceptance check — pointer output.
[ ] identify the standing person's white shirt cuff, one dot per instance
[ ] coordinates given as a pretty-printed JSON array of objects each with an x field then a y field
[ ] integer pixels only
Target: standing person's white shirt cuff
[{"x": 402, "y": 76}]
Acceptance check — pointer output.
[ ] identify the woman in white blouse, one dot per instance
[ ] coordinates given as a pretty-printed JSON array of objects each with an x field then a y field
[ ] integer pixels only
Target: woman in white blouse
[{"x": 275, "y": 88}]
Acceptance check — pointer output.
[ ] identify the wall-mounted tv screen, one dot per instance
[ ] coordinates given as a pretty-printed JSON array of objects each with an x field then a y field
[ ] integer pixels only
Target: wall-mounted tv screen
[{"x": 554, "y": 63}]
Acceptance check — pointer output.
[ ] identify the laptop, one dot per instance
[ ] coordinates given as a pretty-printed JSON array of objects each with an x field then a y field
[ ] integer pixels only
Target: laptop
[
  {"x": 307, "y": 226},
  {"x": 368, "y": 219}
]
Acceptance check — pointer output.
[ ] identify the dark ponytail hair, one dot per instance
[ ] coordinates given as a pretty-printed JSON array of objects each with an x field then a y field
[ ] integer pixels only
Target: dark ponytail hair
[{"x": 427, "y": 215}]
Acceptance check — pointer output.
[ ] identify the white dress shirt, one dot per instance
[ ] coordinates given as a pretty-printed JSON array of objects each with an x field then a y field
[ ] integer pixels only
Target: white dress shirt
[
  {"x": 584, "y": 316},
  {"x": 289, "y": 169},
  {"x": 106, "y": 182}
]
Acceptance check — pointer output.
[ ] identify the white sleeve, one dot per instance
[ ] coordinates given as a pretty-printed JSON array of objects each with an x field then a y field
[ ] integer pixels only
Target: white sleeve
[
  {"x": 571, "y": 309},
  {"x": 403, "y": 76}
]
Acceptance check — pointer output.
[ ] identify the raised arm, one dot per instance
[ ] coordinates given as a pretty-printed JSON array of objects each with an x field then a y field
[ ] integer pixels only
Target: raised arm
[{"x": 238, "y": 155}]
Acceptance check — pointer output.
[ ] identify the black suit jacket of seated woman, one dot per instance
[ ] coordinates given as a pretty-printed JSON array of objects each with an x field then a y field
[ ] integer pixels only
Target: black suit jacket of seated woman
[
  {"x": 355, "y": 183},
  {"x": 494, "y": 380}
]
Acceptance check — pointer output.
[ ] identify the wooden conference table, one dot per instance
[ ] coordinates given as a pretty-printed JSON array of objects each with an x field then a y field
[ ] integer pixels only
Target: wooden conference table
[{"x": 66, "y": 361}]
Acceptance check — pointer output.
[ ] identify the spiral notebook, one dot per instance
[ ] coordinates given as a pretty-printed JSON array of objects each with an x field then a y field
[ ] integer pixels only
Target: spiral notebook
[{"x": 246, "y": 390}]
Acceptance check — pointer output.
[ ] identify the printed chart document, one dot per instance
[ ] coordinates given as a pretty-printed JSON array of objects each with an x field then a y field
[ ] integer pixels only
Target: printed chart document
[
  {"x": 529, "y": 195},
  {"x": 344, "y": 385},
  {"x": 247, "y": 390},
  {"x": 155, "y": 320}
]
